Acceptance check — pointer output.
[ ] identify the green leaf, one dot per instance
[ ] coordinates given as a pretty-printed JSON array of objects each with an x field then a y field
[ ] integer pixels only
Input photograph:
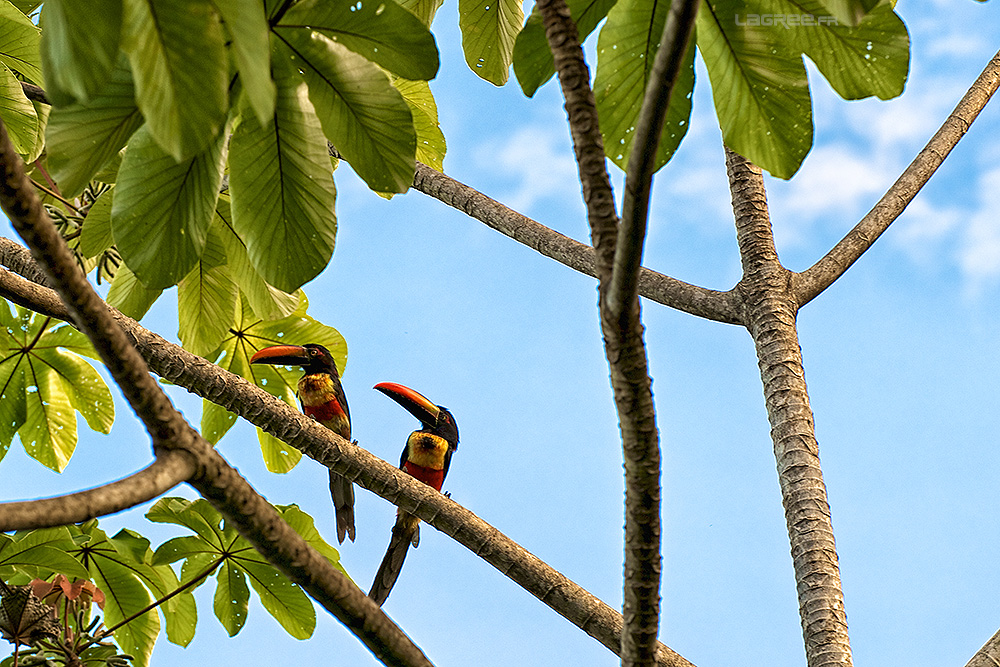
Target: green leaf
[
  {"x": 268, "y": 302},
  {"x": 232, "y": 598},
  {"x": 13, "y": 401},
  {"x": 282, "y": 189},
  {"x": 206, "y": 300},
  {"x": 760, "y": 89},
  {"x": 79, "y": 47},
  {"x": 95, "y": 236},
  {"x": 285, "y": 601},
  {"x": 87, "y": 391},
  {"x": 129, "y": 295},
  {"x": 431, "y": 145},
  {"x": 422, "y": 9},
  {"x": 116, "y": 572},
  {"x": 362, "y": 114},
  {"x": 178, "y": 56},
  {"x": 871, "y": 59},
  {"x": 626, "y": 49},
  {"x": 215, "y": 421},
  {"x": 304, "y": 525},
  {"x": 197, "y": 516},
  {"x": 177, "y": 548},
  {"x": 20, "y": 43},
  {"x": 17, "y": 113},
  {"x": 81, "y": 138},
  {"x": 381, "y": 31},
  {"x": 49, "y": 431},
  {"x": 162, "y": 209},
  {"x": 848, "y": 12},
  {"x": 489, "y": 29},
  {"x": 533, "y": 64},
  {"x": 279, "y": 457},
  {"x": 42, "y": 385},
  {"x": 44, "y": 549},
  {"x": 245, "y": 22}
]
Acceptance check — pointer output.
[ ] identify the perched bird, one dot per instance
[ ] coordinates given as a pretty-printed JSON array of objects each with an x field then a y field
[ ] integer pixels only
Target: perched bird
[
  {"x": 426, "y": 456},
  {"x": 323, "y": 399}
]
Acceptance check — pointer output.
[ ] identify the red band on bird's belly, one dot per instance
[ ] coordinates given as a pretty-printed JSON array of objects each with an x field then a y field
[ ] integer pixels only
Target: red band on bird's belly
[
  {"x": 429, "y": 476},
  {"x": 324, "y": 412}
]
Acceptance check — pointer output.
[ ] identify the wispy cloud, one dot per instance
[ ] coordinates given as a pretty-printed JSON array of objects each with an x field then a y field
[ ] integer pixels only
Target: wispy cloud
[{"x": 535, "y": 161}]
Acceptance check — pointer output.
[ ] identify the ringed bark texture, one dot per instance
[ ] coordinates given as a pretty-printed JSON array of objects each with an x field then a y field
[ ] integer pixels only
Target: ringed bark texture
[{"x": 769, "y": 314}]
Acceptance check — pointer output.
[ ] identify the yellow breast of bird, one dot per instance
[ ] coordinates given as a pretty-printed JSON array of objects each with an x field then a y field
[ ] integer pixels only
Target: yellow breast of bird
[{"x": 427, "y": 450}]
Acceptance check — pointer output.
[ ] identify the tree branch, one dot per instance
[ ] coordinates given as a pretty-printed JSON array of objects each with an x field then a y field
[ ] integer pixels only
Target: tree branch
[
  {"x": 167, "y": 471},
  {"x": 822, "y": 274},
  {"x": 988, "y": 655},
  {"x": 770, "y": 319},
  {"x": 673, "y": 293},
  {"x": 642, "y": 160},
  {"x": 618, "y": 251},
  {"x": 253, "y": 516},
  {"x": 200, "y": 377}
]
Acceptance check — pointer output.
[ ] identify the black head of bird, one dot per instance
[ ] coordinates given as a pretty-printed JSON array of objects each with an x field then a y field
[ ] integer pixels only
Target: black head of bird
[
  {"x": 434, "y": 419},
  {"x": 312, "y": 358}
]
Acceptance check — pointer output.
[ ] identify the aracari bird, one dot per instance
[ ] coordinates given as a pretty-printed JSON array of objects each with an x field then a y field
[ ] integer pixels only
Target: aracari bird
[
  {"x": 426, "y": 456},
  {"x": 323, "y": 399}
]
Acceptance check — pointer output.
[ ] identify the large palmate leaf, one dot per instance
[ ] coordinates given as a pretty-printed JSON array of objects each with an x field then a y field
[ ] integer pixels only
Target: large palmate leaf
[
  {"x": 180, "y": 65},
  {"x": 81, "y": 138},
  {"x": 79, "y": 47},
  {"x": 282, "y": 188},
  {"x": 218, "y": 545},
  {"x": 533, "y": 63},
  {"x": 753, "y": 53},
  {"x": 206, "y": 300},
  {"x": 381, "y": 31},
  {"x": 424, "y": 10},
  {"x": 251, "y": 334},
  {"x": 43, "y": 386},
  {"x": 162, "y": 209},
  {"x": 626, "y": 49},
  {"x": 488, "y": 32},
  {"x": 362, "y": 114}
]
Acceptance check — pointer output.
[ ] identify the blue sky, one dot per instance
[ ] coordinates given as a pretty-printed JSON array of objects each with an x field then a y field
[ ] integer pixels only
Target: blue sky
[{"x": 900, "y": 356}]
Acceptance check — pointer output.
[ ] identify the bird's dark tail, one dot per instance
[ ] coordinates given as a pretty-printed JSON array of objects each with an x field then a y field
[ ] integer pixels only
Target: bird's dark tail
[
  {"x": 342, "y": 492},
  {"x": 403, "y": 533}
]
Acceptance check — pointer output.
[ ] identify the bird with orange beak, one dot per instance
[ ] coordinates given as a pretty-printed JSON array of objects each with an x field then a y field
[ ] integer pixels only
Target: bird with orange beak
[
  {"x": 323, "y": 399},
  {"x": 427, "y": 456}
]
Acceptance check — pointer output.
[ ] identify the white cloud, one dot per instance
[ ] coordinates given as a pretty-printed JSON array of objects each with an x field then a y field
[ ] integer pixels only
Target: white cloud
[
  {"x": 537, "y": 159},
  {"x": 979, "y": 250}
]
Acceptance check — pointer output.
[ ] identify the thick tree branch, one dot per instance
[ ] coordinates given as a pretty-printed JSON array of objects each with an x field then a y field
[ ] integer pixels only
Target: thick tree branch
[
  {"x": 207, "y": 380},
  {"x": 253, "y": 516},
  {"x": 167, "y": 471},
  {"x": 822, "y": 274},
  {"x": 770, "y": 319},
  {"x": 670, "y": 292}
]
